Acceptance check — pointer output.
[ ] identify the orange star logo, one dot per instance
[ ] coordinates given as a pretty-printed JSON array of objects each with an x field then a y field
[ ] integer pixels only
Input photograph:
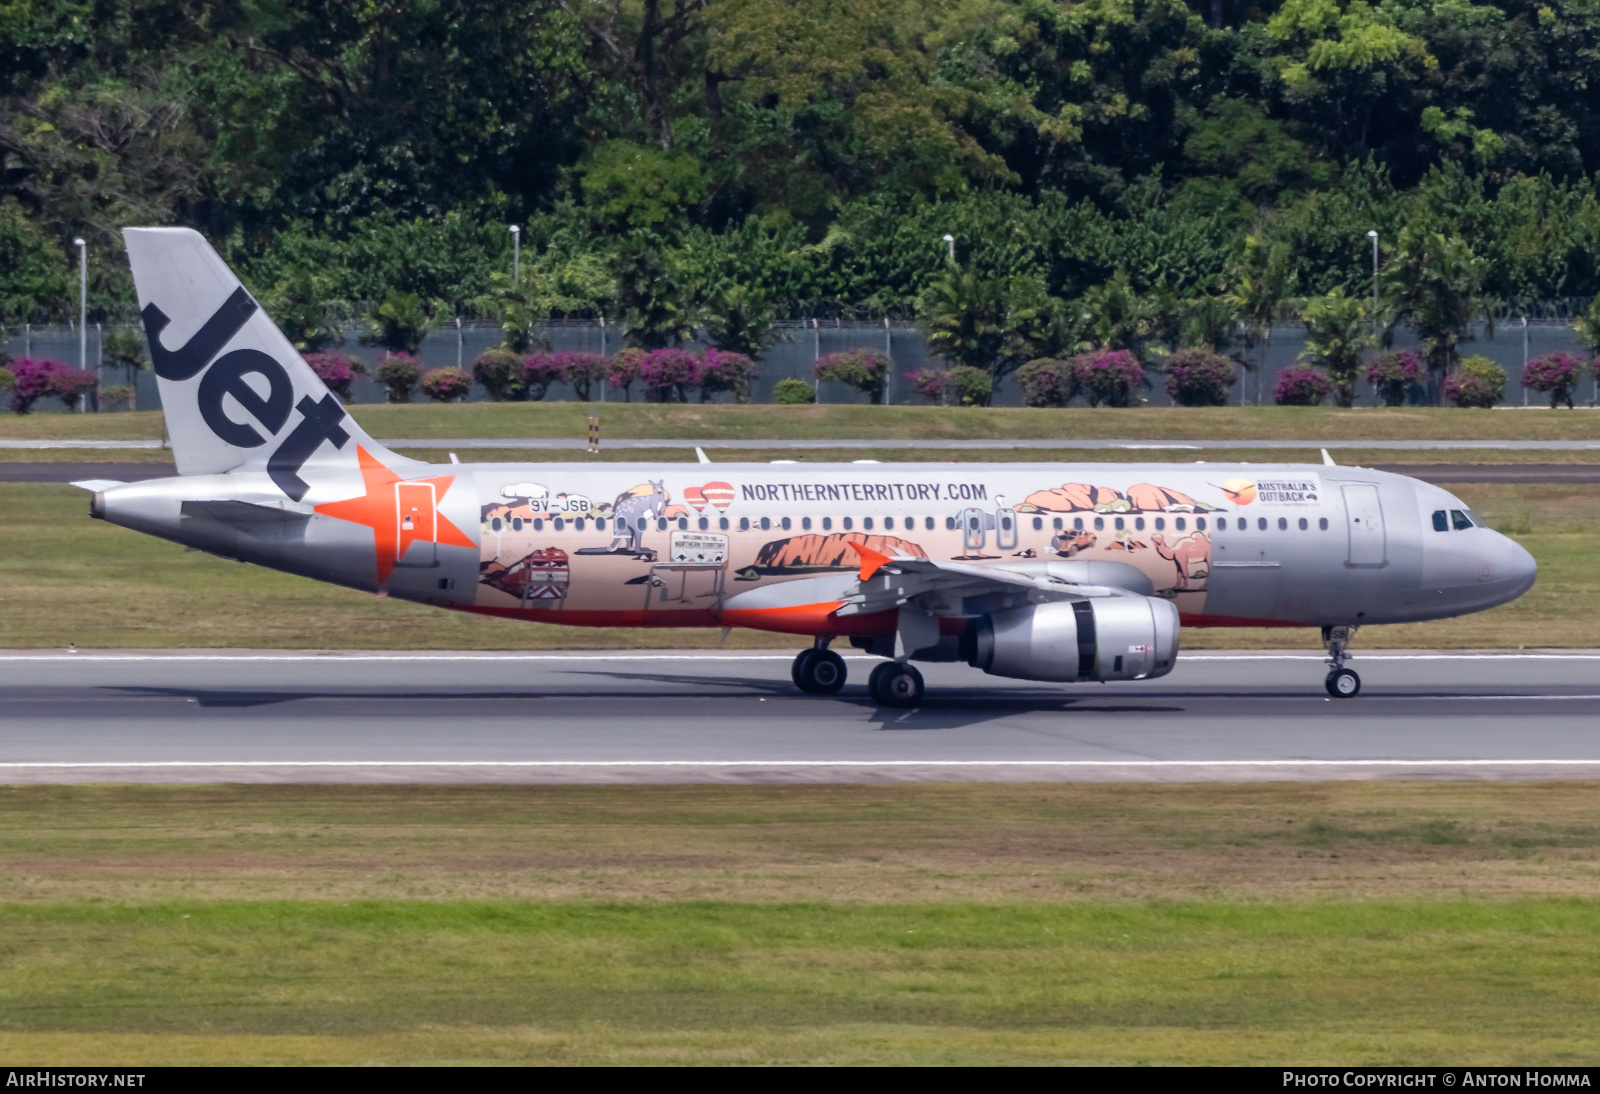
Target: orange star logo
[{"x": 399, "y": 512}]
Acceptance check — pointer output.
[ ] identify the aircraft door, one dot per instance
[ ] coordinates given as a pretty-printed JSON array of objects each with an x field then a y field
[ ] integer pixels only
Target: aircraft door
[
  {"x": 1364, "y": 519},
  {"x": 1005, "y": 529},
  {"x": 416, "y": 524},
  {"x": 972, "y": 531}
]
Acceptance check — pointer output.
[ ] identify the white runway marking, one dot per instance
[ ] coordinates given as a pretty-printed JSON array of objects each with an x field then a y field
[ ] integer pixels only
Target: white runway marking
[
  {"x": 631, "y": 764},
  {"x": 339, "y": 657}
]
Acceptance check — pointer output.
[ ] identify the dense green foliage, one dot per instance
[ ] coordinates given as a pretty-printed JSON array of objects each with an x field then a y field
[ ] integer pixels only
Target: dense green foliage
[{"x": 1121, "y": 173}]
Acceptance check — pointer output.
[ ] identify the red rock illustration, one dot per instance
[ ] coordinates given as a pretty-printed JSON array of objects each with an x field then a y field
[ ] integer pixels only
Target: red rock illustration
[
  {"x": 1158, "y": 499},
  {"x": 802, "y": 552}
]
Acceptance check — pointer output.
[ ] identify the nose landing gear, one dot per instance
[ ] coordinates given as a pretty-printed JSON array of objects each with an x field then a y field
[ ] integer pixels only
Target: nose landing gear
[
  {"x": 1342, "y": 683},
  {"x": 818, "y": 671}
]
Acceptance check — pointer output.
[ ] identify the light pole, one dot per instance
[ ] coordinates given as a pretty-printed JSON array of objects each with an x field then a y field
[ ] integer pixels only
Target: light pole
[
  {"x": 83, "y": 302},
  {"x": 1373, "y": 235},
  {"x": 950, "y": 242},
  {"x": 516, "y": 256}
]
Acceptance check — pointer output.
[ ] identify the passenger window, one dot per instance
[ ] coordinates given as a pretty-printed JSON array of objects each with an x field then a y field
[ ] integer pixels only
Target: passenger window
[
  {"x": 744, "y": 524},
  {"x": 1138, "y": 524},
  {"x": 560, "y": 523},
  {"x": 661, "y": 524},
  {"x": 1056, "y": 524},
  {"x": 927, "y": 522},
  {"x": 705, "y": 523},
  {"x": 1460, "y": 519},
  {"x": 786, "y": 524},
  {"x": 805, "y": 523},
  {"x": 538, "y": 524},
  {"x": 578, "y": 524},
  {"x": 766, "y": 524},
  {"x": 1077, "y": 524},
  {"x": 1323, "y": 523},
  {"x": 949, "y": 524},
  {"x": 1305, "y": 525},
  {"x": 1199, "y": 524},
  {"x": 683, "y": 524},
  {"x": 1099, "y": 523},
  {"x": 848, "y": 524},
  {"x": 722, "y": 523},
  {"x": 1038, "y": 524},
  {"x": 516, "y": 524},
  {"x": 1161, "y": 524},
  {"x": 1283, "y": 524},
  {"x": 827, "y": 524},
  {"x": 1441, "y": 523},
  {"x": 1121, "y": 524},
  {"x": 867, "y": 524},
  {"x": 496, "y": 524},
  {"x": 599, "y": 524},
  {"x": 1180, "y": 524},
  {"x": 888, "y": 524}
]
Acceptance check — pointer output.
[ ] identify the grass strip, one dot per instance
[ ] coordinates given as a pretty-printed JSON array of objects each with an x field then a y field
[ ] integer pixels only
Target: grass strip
[{"x": 848, "y": 422}]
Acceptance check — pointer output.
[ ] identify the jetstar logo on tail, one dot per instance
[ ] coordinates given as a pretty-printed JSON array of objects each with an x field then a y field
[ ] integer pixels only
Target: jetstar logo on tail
[
  {"x": 319, "y": 420},
  {"x": 396, "y": 524}
]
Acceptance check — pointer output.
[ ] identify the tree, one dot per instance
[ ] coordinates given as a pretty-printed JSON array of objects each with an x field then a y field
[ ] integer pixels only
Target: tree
[
  {"x": 299, "y": 305},
  {"x": 964, "y": 318},
  {"x": 1336, "y": 336},
  {"x": 125, "y": 349},
  {"x": 739, "y": 320},
  {"x": 1258, "y": 283},
  {"x": 1436, "y": 283},
  {"x": 398, "y": 324}
]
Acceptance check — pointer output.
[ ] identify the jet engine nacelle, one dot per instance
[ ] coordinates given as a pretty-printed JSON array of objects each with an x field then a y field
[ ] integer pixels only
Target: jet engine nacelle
[{"x": 1104, "y": 638}]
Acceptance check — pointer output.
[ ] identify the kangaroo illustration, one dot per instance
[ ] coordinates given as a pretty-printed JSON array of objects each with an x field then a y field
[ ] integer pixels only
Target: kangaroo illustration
[
  {"x": 630, "y": 509},
  {"x": 1184, "y": 554}
]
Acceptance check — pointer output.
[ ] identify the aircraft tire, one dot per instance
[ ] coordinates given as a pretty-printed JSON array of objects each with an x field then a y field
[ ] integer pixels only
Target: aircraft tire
[
  {"x": 896, "y": 685},
  {"x": 1343, "y": 684},
  {"x": 798, "y": 672},
  {"x": 823, "y": 673}
]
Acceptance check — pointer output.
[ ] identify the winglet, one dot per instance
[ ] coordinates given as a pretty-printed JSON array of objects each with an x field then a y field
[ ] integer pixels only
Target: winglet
[
  {"x": 1327, "y": 459},
  {"x": 871, "y": 561}
]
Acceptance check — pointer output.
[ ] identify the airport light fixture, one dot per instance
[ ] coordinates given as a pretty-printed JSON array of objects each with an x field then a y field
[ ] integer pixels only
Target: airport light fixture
[
  {"x": 950, "y": 242},
  {"x": 516, "y": 256},
  {"x": 1373, "y": 235}
]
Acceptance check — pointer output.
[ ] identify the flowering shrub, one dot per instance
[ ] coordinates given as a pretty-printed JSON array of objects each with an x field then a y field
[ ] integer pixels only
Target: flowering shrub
[
  {"x": 446, "y": 385},
  {"x": 1198, "y": 377},
  {"x": 582, "y": 371},
  {"x": 500, "y": 371},
  {"x": 1556, "y": 374},
  {"x": 116, "y": 397},
  {"x": 1112, "y": 377},
  {"x": 1047, "y": 382},
  {"x": 725, "y": 371},
  {"x": 398, "y": 374},
  {"x": 625, "y": 368},
  {"x": 667, "y": 374},
  {"x": 864, "y": 369},
  {"x": 971, "y": 386},
  {"x": 1301, "y": 385},
  {"x": 71, "y": 384},
  {"x": 1392, "y": 373},
  {"x": 30, "y": 381},
  {"x": 1478, "y": 383},
  {"x": 928, "y": 383},
  {"x": 337, "y": 370},
  {"x": 792, "y": 392},
  {"x": 539, "y": 371}
]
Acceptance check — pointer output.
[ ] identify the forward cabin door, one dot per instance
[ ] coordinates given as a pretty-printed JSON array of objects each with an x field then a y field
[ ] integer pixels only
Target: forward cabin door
[
  {"x": 1364, "y": 519},
  {"x": 417, "y": 524}
]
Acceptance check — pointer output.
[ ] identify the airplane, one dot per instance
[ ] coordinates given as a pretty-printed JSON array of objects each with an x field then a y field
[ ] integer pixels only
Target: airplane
[{"x": 1049, "y": 572}]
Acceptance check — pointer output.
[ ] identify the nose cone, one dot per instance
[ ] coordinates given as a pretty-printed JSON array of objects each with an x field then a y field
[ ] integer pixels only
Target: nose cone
[{"x": 1520, "y": 570}]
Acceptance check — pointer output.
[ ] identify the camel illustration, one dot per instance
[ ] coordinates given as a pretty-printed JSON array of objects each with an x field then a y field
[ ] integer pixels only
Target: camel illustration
[{"x": 1190, "y": 554}]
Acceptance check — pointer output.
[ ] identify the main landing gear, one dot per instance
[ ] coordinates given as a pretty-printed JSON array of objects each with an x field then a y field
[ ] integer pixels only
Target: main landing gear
[
  {"x": 818, "y": 671},
  {"x": 895, "y": 684},
  {"x": 1342, "y": 683}
]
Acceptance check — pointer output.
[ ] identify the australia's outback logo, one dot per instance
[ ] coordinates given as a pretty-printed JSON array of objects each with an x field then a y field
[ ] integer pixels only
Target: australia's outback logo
[
  {"x": 1300, "y": 491},
  {"x": 229, "y": 375}
]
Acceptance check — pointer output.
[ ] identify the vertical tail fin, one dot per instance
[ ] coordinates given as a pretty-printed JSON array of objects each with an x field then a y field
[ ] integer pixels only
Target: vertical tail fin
[{"x": 236, "y": 394}]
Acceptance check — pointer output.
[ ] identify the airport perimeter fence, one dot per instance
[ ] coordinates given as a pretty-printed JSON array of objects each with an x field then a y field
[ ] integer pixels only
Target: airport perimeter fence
[{"x": 803, "y": 341}]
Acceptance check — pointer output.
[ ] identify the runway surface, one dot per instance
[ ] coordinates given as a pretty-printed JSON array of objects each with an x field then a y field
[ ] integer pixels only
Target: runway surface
[
  {"x": 1437, "y": 473},
  {"x": 735, "y": 717}
]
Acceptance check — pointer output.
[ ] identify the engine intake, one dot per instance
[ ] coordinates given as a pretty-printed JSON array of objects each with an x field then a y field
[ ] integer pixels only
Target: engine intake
[{"x": 1104, "y": 638}]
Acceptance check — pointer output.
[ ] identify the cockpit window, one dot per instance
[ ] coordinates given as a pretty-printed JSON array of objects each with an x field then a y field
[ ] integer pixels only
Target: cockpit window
[
  {"x": 1477, "y": 521},
  {"x": 1441, "y": 522},
  {"x": 1460, "y": 520}
]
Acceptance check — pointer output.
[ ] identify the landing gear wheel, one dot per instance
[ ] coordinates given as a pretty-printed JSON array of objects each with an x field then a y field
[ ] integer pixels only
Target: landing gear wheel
[
  {"x": 818, "y": 672},
  {"x": 1343, "y": 684},
  {"x": 896, "y": 685},
  {"x": 797, "y": 671}
]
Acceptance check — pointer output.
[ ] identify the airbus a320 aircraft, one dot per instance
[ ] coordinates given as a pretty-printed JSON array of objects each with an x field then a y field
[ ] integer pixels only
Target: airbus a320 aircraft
[{"x": 1055, "y": 572}]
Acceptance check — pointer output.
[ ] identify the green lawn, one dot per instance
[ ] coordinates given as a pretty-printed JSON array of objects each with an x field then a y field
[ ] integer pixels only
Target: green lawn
[
  {"x": 67, "y": 579},
  {"x": 755, "y": 422},
  {"x": 1324, "y": 923}
]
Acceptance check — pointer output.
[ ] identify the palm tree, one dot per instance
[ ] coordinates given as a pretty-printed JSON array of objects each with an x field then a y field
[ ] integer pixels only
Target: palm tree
[
  {"x": 964, "y": 318},
  {"x": 739, "y": 320},
  {"x": 1336, "y": 336},
  {"x": 399, "y": 324}
]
